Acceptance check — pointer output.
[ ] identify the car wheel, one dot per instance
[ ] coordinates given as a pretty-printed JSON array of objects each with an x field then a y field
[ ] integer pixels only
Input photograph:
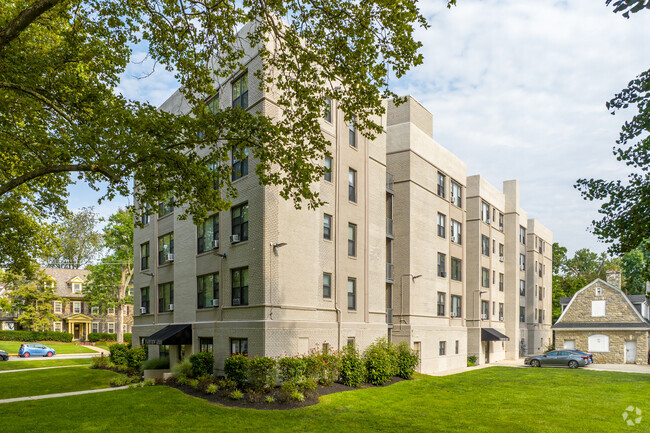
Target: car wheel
[
  {"x": 49, "y": 354},
  {"x": 535, "y": 363},
  {"x": 26, "y": 355},
  {"x": 573, "y": 364}
]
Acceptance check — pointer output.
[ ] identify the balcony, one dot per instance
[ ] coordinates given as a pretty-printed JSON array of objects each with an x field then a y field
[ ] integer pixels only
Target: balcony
[
  {"x": 389, "y": 316},
  {"x": 389, "y": 272},
  {"x": 389, "y": 228},
  {"x": 390, "y": 183}
]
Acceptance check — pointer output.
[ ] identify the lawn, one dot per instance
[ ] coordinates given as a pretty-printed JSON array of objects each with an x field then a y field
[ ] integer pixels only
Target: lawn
[
  {"x": 497, "y": 399},
  {"x": 19, "y": 365},
  {"x": 11, "y": 347},
  {"x": 38, "y": 382}
]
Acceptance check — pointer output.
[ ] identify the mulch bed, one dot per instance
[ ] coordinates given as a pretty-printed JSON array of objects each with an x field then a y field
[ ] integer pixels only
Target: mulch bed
[{"x": 256, "y": 400}]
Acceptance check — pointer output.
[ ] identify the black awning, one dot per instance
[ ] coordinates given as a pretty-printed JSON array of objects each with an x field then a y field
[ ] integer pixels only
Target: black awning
[
  {"x": 174, "y": 335},
  {"x": 489, "y": 334}
]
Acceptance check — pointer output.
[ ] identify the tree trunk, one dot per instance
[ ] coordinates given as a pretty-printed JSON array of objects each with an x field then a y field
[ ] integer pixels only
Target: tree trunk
[{"x": 120, "y": 329}]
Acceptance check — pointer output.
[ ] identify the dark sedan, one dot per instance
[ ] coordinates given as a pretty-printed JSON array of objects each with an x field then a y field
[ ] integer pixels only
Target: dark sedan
[
  {"x": 4, "y": 356},
  {"x": 558, "y": 358}
]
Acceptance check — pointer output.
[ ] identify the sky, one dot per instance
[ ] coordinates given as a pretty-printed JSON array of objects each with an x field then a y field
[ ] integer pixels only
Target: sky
[{"x": 517, "y": 90}]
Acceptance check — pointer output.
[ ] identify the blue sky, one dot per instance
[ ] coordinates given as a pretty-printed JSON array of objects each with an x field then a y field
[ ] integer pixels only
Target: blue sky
[{"x": 517, "y": 90}]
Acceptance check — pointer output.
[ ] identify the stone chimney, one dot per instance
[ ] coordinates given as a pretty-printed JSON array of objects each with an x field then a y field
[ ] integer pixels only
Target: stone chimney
[{"x": 614, "y": 277}]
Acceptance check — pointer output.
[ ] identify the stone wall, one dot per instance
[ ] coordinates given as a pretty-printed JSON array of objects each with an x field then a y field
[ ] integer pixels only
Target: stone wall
[
  {"x": 618, "y": 309},
  {"x": 617, "y": 339}
]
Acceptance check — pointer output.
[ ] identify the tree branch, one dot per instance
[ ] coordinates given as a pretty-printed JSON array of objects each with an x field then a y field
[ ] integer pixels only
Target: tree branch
[
  {"x": 24, "y": 19},
  {"x": 38, "y": 96},
  {"x": 16, "y": 182}
]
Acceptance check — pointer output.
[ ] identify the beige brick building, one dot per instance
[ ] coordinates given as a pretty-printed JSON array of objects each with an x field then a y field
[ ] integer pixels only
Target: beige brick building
[{"x": 603, "y": 320}]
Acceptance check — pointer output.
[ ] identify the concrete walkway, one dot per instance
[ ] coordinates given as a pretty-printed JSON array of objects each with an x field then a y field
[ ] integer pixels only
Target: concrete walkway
[
  {"x": 62, "y": 394},
  {"x": 42, "y": 368},
  {"x": 623, "y": 368}
]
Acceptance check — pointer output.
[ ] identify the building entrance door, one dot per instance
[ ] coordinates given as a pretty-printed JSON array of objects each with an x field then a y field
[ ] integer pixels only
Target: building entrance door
[
  {"x": 630, "y": 352},
  {"x": 76, "y": 331}
]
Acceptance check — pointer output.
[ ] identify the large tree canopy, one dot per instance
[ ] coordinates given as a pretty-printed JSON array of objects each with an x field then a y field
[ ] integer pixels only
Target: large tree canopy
[
  {"x": 75, "y": 243},
  {"x": 626, "y": 209},
  {"x": 61, "y": 117}
]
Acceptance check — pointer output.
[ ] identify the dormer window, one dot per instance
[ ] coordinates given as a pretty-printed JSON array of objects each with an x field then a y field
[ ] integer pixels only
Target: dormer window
[
  {"x": 76, "y": 287},
  {"x": 599, "y": 291}
]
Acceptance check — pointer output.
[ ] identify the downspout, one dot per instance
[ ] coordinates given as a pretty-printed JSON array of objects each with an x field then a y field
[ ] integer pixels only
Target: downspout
[{"x": 337, "y": 208}]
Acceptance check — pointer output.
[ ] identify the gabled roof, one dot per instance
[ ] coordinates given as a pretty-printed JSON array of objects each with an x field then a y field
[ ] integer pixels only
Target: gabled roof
[{"x": 64, "y": 276}]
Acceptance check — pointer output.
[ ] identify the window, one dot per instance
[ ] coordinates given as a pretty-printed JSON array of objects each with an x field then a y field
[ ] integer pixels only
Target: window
[
  {"x": 485, "y": 277},
  {"x": 165, "y": 248},
  {"x": 166, "y": 207},
  {"x": 442, "y": 265},
  {"x": 57, "y": 327},
  {"x": 57, "y": 307},
  {"x": 145, "y": 253},
  {"x": 240, "y": 92},
  {"x": 441, "y": 304},
  {"x": 485, "y": 245},
  {"x": 353, "y": 133},
  {"x": 501, "y": 251},
  {"x": 522, "y": 235},
  {"x": 485, "y": 212},
  {"x": 207, "y": 234},
  {"x": 456, "y": 232},
  {"x": 352, "y": 240},
  {"x": 541, "y": 293},
  {"x": 110, "y": 311},
  {"x": 599, "y": 291},
  {"x": 442, "y": 225},
  {"x": 456, "y": 269},
  {"x": 145, "y": 217},
  {"x": 239, "y": 217},
  {"x": 76, "y": 287},
  {"x": 239, "y": 163},
  {"x": 539, "y": 270},
  {"x": 598, "y": 308},
  {"x": 327, "y": 227},
  {"x": 485, "y": 310},
  {"x": 351, "y": 341},
  {"x": 94, "y": 310},
  {"x": 145, "y": 301},
  {"x": 239, "y": 346},
  {"x": 213, "y": 105},
  {"x": 328, "y": 169},
  {"x": 327, "y": 285},
  {"x": 457, "y": 347},
  {"x": 352, "y": 186},
  {"x": 95, "y": 327},
  {"x": 240, "y": 286},
  {"x": 111, "y": 327},
  {"x": 442, "y": 348},
  {"x": 540, "y": 316},
  {"x": 500, "y": 221},
  {"x": 456, "y": 307},
  {"x": 441, "y": 185},
  {"x": 328, "y": 110},
  {"x": 541, "y": 246},
  {"x": 522, "y": 262},
  {"x": 76, "y": 307},
  {"x": 598, "y": 343},
  {"x": 456, "y": 194},
  {"x": 494, "y": 246},
  {"x": 207, "y": 290},
  {"x": 501, "y": 311},
  {"x": 352, "y": 294},
  {"x": 522, "y": 314},
  {"x": 501, "y": 282},
  {"x": 165, "y": 297},
  {"x": 206, "y": 344}
]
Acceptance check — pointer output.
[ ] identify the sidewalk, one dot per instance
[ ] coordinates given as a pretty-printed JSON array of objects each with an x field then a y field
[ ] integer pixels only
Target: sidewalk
[{"x": 62, "y": 394}]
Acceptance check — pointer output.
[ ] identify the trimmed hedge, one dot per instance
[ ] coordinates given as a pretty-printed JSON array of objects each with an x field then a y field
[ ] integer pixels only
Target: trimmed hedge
[
  {"x": 94, "y": 337},
  {"x": 35, "y": 336}
]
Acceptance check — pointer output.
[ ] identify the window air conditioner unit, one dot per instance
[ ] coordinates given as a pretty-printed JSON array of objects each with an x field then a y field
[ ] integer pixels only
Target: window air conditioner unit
[
  {"x": 484, "y": 316},
  {"x": 214, "y": 302},
  {"x": 143, "y": 310},
  {"x": 522, "y": 267},
  {"x": 234, "y": 239},
  {"x": 235, "y": 301},
  {"x": 452, "y": 314},
  {"x": 501, "y": 258},
  {"x": 443, "y": 274},
  {"x": 501, "y": 318},
  {"x": 489, "y": 221},
  {"x": 215, "y": 244},
  {"x": 171, "y": 307},
  {"x": 170, "y": 257}
]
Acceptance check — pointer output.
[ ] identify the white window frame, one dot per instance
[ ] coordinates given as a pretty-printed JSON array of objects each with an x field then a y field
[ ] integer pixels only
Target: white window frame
[
  {"x": 599, "y": 291},
  {"x": 111, "y": 327},
  {"x": 57, "y": 326},
  {"x": 76, "y": 287},
  {"x": 58, "y": 307},
  {"x": 110, "y": 311},
  {"x": 76, "y": 304},
  {"x": 598, "y": 308}
]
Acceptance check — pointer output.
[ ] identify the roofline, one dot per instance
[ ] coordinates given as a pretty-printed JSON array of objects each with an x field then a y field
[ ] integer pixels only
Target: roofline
[{"x": 606, "y": 328}]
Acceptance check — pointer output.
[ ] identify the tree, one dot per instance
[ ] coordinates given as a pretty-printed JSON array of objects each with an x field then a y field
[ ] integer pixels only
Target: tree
[
  {"x": 108, "y": 282},
  {"x": 635, "y": 265},
  {"x": 61, "y": 116},
  {"x": 75, "y": 242},
  {"x": 626, "y": 209},
  {"x": 33, "y": 298}
]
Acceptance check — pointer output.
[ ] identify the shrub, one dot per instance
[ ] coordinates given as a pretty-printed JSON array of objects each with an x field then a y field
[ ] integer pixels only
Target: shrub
[
  {"x": 99, "y": 362},
  {"x": 136, "y": 356},
  {"x": 119, "y": 354},
  {"x": 155, "y": 364},
  {"x": 194, "y": 383},
  {"x": 269, "y": 399},
  {"x": 181, "y": 379},
  {"x": 471, "y": 360},
  {"x": 262, "y": 373},
  {"x": 289, "y": 387},
  {"x": 204, "y": 381},
  {"x": 407, "y": 360},
  {"x": 236, "y": 368},
  {"x": 149, "y": 382},
  {"x": 202, "y": 364},
  {"x": 292, "y": 369},
  {"x": 94, "y": 337},
  {"x": 212, "y": 389},
  {"x": 27, "y": 336},
  {"x": 184, "y": 368},
  {"x": 307, "y": 384},
  {"x": 120, "y": 380},
  {"x": 352, "y": 367},
  {"x": 297, "y": 396},
  {"x": 329, "y": 367},
  {"x": 380, "y": 362},
  {"x": 236, "y": 395},
  {"x": 227, "y": 384},
  {"x": 135, "y": 379}
]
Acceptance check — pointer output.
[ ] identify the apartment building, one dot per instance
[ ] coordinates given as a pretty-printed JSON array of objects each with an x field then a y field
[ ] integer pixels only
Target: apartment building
[
  {"x": 429, "y": 298},
  {"x": 539, "y": 276},
  {"x": 264, "y": 278}
]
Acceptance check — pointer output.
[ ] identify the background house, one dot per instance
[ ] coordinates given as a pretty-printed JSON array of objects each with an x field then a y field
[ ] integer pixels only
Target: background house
[{"x": 603, "y": 320}]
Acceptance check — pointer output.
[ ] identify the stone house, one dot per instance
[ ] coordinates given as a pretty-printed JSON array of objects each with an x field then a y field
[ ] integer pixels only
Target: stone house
[{"x": 603, "y": 320}]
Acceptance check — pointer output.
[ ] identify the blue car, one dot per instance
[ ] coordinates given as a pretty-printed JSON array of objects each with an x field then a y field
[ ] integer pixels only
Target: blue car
[{"x": 35, "y": 349}]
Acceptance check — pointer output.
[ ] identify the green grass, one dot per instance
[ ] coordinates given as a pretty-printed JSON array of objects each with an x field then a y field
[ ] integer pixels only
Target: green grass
[
  {"x": 11, "y": 347},
  {"x": 497, "y": 399},
  {"x": 11, "y": 365},
  {"x": 103, "y": 345},
  {"x": 39, "y": 382}
]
